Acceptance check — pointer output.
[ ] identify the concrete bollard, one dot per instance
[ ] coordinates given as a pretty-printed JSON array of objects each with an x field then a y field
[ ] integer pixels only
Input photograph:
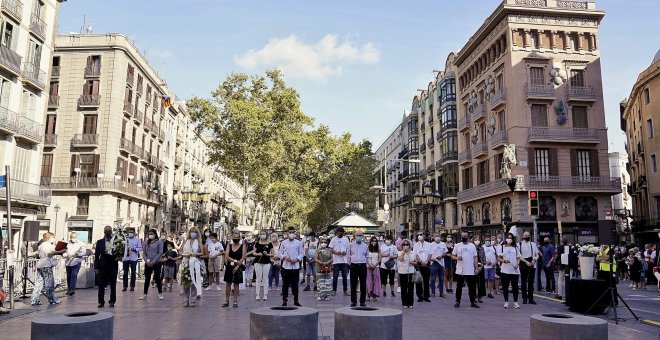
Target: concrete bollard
[
  {"x": 284, "y": 323},
  {"x": 558, "y": 326},
  {"x": 368, "y": 323},
  {"x": 74, "y": 325}
]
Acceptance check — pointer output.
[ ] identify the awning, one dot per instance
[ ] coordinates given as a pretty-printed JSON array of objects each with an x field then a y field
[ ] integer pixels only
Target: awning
[{"x": 352, "y": 221}]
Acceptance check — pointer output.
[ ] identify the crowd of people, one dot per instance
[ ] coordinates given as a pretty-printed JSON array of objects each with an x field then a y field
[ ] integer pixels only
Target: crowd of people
[{"x": 377, "y": 265}]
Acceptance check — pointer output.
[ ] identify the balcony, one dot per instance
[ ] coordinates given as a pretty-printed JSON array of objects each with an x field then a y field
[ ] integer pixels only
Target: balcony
[
  {"x": 38, "y": 27},
  {"x": 30, "y": 130},
  {"x": 482, "y": 191},
  {"x": 423, "y": 173},
  {"x": 422, "y": 127},
  {"x": 450, "y": 156},
  {"x": 10, "y": 60},
  {"x": 479, "y": 113},
  {"x": 14, "y": 8},
  {"x": 431, "y": 168},
  {"x": 55, "y": 72},
  {"x": 8, "y": 121},
  {"x": 497, "y": 99},
  {"x": 147, "y": 123},
  {"x": 570, "y": 184},
  {"x": 27, "y": 192},
  {"x": 430, "y": 142},
  {"x": 34, "y": 76},
  {"x": 438, "y": 165},
  {"x": 89, "y": 100},
  {"x": 128, "y": 109},
  {"x": 177, "y": 160},
  {"x": 438, "y": 135},
  {"x": 540, "y": 91},
  {"x": 567, "y": 135},
  {"x": 480, "y": 149},
  {"x": 50, "y": 140},
  {"x": 137, "y": 115},
  {"x": 464, "y": 122},
  {"x": 126, "y": 145},
  {"x": 130, "y": 77},
  {"x": 422, "y": 148},
  {"x": 85, "y": 140},
  {"x": 146, "y": 157},
  {"x": 93, "y": 71},
  {"x": 581, "y": 93},
  {"x": 53, "y": 101},
  {"x": 82, "y": 211},
  {"x": 465, "y": 157},
  {"x": 76, "y": 184},
  {"x": 499, "y": 138}
]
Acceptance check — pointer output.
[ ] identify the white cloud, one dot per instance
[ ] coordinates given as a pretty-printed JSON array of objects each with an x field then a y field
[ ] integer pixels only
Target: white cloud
[{"x": 310, "y": 61}]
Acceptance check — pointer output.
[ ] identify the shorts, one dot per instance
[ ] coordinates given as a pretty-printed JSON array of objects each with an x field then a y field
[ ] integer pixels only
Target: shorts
[
  {"x": 215, "y": 264},
  {"x": 489, "y": 273},
  {"x": 169, "y": 272},
  {"x": 310, "y": 269}
]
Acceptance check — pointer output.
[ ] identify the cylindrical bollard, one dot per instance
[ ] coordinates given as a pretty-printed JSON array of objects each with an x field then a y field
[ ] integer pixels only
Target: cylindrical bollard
[
  {"x": 283, "y": 323},
  {"x": 74, "y": 325},
  {"x": 566, "y": 327},
  {"x": 368, "y": 323}
]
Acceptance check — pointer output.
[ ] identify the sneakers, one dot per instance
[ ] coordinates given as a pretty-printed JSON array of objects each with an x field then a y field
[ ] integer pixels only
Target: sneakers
[
  {"x": 209, "y": 287},
  {"x": 160, "y": 296},
  {"x": 474, "y": 305},
  {"x": 318, "y": 298},
  {"x": 457, "y": 304},
  {"x": 143, "y": 297},
  {"x": 216, "y": 288},
  {"x": 506, "y": 305},
  {"x": 515, "y": 305},
  {"x": 334, "y": 293},
  {"x": 257, "y": 298},
  {"x": 398, "y": 290}
]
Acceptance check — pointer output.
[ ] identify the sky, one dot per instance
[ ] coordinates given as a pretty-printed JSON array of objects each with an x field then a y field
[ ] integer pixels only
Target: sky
[{"x": 356, "y": 64}]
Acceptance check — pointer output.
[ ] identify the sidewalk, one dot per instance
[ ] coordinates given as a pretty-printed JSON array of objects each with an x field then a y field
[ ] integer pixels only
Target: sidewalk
[{"x": 168, "y": 319}]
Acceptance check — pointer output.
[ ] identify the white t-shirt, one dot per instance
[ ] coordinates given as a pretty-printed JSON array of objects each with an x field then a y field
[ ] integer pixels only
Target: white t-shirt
[
  {"x": 44, "y": 249},
  {"x": 339, "y": 244},
  {"x": 511, "y": 254},
  {"x": 215, "y": 248},
  {"x": 373, "y": 259},
  {"x": 386, "y": 250},
  {"x": 405, "y": 266},
  {"x": 438, "y": 249},
  {"x": 468, "y": 252},
  {"x": 491, "y": 256},
  {"x": 423, "y": 250}
]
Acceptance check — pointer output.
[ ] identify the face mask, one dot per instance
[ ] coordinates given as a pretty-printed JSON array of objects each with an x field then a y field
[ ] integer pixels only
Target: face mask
[
  {"x": 464, "y": 239},
  {"x": 509, "y": 241},
  {"x": 207, "y": 234},
  {"x": 358, "y": 239},
  {"x": 420, "y": 238},
  {"x": 151, "y": 236},
  {"x": 340, "y": 235},
  {"x": 163, "y": 237},
  {"x": 236, "y": 240},
  {"x": 263, "y": 237},
  {"x": 380, "y": 239},
  {"x": 193, "y": 235},
  {"x": 448, "y": 239},
  {"x": 477, "y": 242},
  {"x": 131, "y": 235},
  {"x": 292, "y": 236},
  {"x": 323, "y": 245},
  {"x": 388, "y": 242},
  {"x": 527, "y": 238},
  {"x": 405, "y": 246},
  {"x": 73, "y": 239},
  {"x": 437, "y": 239},
  {"x": 487, "y": 243}
]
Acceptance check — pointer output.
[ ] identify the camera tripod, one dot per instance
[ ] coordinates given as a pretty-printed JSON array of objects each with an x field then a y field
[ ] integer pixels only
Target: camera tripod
[{"x": 614, "y": 293}]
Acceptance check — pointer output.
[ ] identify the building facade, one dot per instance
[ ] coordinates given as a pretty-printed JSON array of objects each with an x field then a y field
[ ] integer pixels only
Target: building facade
[
  {"x": 28, "y": 28},
  {"x": 640, "y": 114},
  {"x": 530, "y": 76},
  {"x": 622, "y": 202}
]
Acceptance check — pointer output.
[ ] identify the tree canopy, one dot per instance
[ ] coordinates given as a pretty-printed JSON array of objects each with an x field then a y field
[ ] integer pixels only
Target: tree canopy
[{"x": 295, "y": 167}]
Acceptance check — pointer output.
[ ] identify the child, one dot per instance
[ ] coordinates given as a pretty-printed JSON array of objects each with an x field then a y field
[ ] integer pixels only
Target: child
[
  {"x": 323, "y": 262},
  {"x": 643, "y": 270},
  {"x": 171, "y": 256}
]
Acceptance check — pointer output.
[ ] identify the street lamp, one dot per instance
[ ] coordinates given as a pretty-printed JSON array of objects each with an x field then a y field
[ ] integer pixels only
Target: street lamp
[{"x": 56, "y": 208}]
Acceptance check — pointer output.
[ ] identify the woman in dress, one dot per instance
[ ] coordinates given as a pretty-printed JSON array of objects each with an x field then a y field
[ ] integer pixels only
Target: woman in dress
[
  {"x": 323, "y": 262},
  {"x": 192, "y": 253},
  {"x": 263, "y": 251},
  {"x": 373, "y": 270},
  {"x": 509, "y": 257},
  {"x": 449, "y": 266},
  {"x": 234, "y": 258},
  {"x": 406, "y": 267}
]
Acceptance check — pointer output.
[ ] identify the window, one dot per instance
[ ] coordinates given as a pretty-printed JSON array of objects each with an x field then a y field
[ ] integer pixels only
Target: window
[
  {"x": 482, "y": 173},
  {"x": 8, "y": 35},
  {"x": 654, "y": 167},
  {"x": 542, "y": 162},
  {"x": 34, "y": 57},
  {"x": 83, "y": 204},
  {"x": 497, "y": 159},
  {"x": 536, "y": 75},
  {"x": 94, "y": 64},
  {"x": 91, "y": 88},
  {"x": 577, "y": 78},
  {"x": 89, "y": 124},
  {"x": 87, "y": 165},
  {"x": 21, "y": 163},
  {"x": 534, "y": 39},
  {"x": 539, "y": 115},
  {"x": 56, "y": 61},
  {"x": 649, "y": 127},
  {"x": 500, "y": 82},
  {"x": 580, "y": 117},
  {"x": 4, "y": 92},
  {"x": 584, "y": 163},
  {"x": 129, "y": 209},
  {"x": 647, "y": 96},
  {"x": 573, "y": 41},
  {"x": 466, "y": 141},
  {"x": 51, "y": 122},
  {"x": 467, "y": 178},
  {"x": 28, "y": 105},
  {"x": 501, "y": 121},
  {"x": 46, "y": 168}
]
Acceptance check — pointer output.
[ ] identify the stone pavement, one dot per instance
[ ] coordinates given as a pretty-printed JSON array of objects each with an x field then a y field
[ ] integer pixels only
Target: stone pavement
[{"x": 168, "y": 319}]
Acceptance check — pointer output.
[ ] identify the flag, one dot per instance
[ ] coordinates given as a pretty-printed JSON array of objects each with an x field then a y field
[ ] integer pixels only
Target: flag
[{"x": 167, "y": 101}]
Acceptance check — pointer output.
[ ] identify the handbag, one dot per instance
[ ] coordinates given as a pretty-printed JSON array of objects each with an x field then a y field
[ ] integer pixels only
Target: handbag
[
  {"x": 417, "y": 277},
  {"x": 326, "y": 268},
  {"x": 389, "y": 264}
]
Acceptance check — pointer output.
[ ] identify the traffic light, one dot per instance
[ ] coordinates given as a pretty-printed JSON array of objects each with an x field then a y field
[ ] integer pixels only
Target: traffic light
[{"x": 533, "y": 203}]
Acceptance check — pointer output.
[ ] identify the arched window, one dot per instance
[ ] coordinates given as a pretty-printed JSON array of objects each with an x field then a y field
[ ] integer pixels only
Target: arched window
[
  {"x": 485, "y": 213},
  {"x": 505, "y": 208},
  {"x": 547, "y": 209},
  {"x": 469, "y": 212}
]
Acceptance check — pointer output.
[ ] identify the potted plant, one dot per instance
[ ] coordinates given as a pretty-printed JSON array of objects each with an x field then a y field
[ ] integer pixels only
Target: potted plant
[{"x": 587, "y": 259}]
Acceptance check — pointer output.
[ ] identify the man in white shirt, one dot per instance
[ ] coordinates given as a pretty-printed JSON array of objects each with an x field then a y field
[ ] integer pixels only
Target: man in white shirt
[
  {"x": 74, "y": 255},
  {"x": 388, "y": 252},
  {"x": 465, "y": 254},
  {"x": 339, "y": 246},
  {"x": 490, "y": 265},
  {"x": 216, "y": 253},
  {"x": 529, "y": 255},
  {"x": 438, "y": 252},
  {"x": 291, "y": 252},
  {"x": 422, "y": 251}
]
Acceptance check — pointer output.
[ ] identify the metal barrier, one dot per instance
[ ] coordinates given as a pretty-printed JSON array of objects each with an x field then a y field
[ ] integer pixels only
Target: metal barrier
[{"x": 59, "y": 273}]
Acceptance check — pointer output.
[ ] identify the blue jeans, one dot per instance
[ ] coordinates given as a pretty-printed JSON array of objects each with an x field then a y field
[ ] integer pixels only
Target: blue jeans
[
  {"x": 336, "y": 268},
  {"x": 437, "y": 271},
  {"x": 72, "y": 276},
  {"x": 274, "y": 274},
  {"x": 132, "y": 265}
]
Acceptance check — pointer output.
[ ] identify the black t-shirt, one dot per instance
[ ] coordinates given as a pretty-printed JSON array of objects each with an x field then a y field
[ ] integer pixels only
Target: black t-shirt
[
  {"x": 171, "y": 263},
  {"x": 263, "y": 248},
  {"x": 165, "y": 244},
  {"x": 249, "y": 247}
]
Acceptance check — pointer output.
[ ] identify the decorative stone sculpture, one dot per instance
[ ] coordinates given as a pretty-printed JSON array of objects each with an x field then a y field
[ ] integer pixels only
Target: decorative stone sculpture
[
  {"x": 472, "y": 102},
  {"x": 560, "y": 110},
  {"x": 475, "y": 134},
  {"x": 489, "y": 87},
  {"x": 491, "y": 125},
  {"x": 557, "y": 74}
]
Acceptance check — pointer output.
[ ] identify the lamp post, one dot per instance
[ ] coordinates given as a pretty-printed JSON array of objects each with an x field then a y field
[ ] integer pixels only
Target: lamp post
[
  {"x": 56, "y": 208},
  {"x": 427, "y": 201}
]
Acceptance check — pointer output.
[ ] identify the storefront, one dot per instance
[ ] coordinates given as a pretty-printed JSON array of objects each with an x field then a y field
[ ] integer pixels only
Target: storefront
[{"x": 83, "y": 229}]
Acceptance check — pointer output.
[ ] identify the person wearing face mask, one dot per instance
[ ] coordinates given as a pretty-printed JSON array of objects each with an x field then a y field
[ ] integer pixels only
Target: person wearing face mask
[
  {"x": 490, "y": 258},
  {"x": 494, "y": 242},
  {"x": 133, "y": 249},
  {"x": 311, "y": 244},
  {"x": 529, "y": 256},
  {"x": 388, "y": 254},
  {"x": 106, "y": 267},
  {"x": 216, "y": 253},
  {"x": 422, "y": 251},
  {"x": 263, "y": 251},
  {"x": 438, "y": 253},
  {"x": 234, "y": 257},
  {"x": 509, "y": 257},
  {"x": 169, "y": 268},
  {"x": 373, "y": 273},
  {"x": 153, "y": 251},
  {"x": 548, "y": 256},
  {"x": 481, "y": 259},
  {"x": 45, "y": 266},
  {"x": 74, "y": 255},
  {"x": 291, "y": 252},
  {"x": 276, "y": 264},
  {"x": 249, "y": 260},
  {"x": 323, "y": 263},
  {"x": 358, "y": 253},
  {"x": 339, "y": 247},
  {"x": 450, "y": 265},
  {"x": 406, "y": 268},
  {"x": 192, "y": 253},
  {"x": 465, "y": 254}
]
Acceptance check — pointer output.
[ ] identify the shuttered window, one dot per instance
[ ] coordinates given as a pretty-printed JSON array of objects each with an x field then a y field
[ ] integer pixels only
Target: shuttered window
[
  {"x": 577, "y": 78},
  {"x": 583, "y": 163},
  {"x": 51, "y": 124},
  {"x": 89, "y": 165},
  {"x": 580, "y": 117},
  {"x": 536, "y": 75},
  {"x": 89, "y": 124},
  {"x": 46, "y": 168},
  {"x": 542, "y": 162},
  {"x": 539, "y": 115}
]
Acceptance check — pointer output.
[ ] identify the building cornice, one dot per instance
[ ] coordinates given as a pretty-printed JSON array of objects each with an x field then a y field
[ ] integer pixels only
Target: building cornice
[{"x": 640, "y": 84}]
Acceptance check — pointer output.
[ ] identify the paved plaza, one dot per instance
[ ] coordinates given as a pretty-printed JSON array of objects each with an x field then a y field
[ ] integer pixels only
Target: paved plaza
[{"x": 168, "y": 319}]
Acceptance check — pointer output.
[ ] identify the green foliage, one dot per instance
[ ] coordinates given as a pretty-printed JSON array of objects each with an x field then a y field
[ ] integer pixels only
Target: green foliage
[{"x": 294, "y": 167}]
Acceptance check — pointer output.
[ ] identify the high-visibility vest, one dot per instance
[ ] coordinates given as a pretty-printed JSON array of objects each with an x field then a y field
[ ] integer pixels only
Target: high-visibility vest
[{"x": 605, "y": 264}]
